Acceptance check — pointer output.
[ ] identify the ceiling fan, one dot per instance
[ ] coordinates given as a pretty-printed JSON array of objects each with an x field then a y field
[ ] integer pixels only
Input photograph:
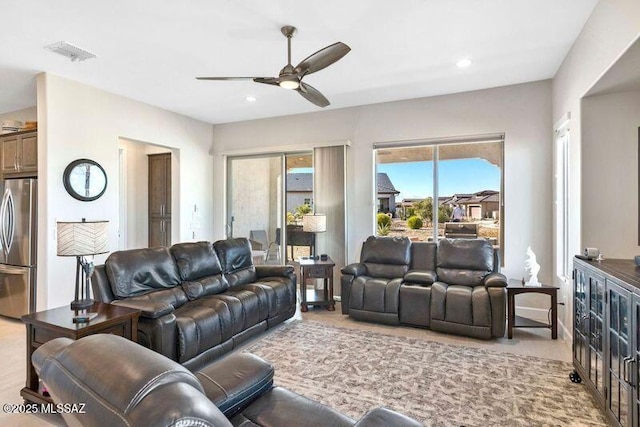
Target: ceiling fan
[{"x": 290, "y": 77}]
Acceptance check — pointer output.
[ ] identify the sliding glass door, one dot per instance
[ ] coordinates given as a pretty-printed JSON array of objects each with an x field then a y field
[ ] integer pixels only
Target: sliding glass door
[
  {"x": 298, "y": 202},
  {"x": 254, "y": 204},
  {"x": 266, "y": 195}
]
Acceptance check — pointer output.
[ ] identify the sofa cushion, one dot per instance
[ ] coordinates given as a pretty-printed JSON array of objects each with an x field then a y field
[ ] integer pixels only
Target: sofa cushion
[
  {"x": 461, "y": 304},
  {"x": 202, "y": 325},
  {"x": 464, "y": 261},
  {"x": 247, "y": 306},
  {"x": 156, "y": 304},
  {"x": 423, "y": 256},
  {"x": 140, "y": 271},
  {"x": 235, "y": 381},
  {"x": 237, "y": 261},
  {"x": 374, "y": 294},
  {"x": 209, "y": 285},
  {"x": 281, "y": 407},
  {"x": 386, "y": 257},
  {"x": 196, "y": 260}
]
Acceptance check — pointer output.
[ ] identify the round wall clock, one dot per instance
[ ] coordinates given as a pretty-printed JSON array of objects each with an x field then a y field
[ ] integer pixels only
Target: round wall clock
[{"x": 85, "y": 180}]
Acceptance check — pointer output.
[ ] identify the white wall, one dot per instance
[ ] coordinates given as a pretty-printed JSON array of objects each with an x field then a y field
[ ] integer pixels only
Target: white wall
[
  {"x": 251, "y": 194},
  {"x": 78, "y": 121},
  {"x": 27, "y": 114},
  {"x": 609, "y": 31},
  {"x": 610, "y": 173},
  {"x": 521, "y": 111}
]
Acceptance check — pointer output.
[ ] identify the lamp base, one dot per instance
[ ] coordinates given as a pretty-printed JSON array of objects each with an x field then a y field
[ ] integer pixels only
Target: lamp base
[
  {"x": 84, "y": 317},
  {"x": 81, "y": 304}
]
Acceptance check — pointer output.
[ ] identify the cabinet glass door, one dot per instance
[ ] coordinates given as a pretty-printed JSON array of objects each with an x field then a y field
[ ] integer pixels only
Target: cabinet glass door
[
  {"x": 596, "y": 324},
  {"x": 619, "y": 357},
  {"x": 635, "y": 371},
  {"x": 580, "y": 317}
]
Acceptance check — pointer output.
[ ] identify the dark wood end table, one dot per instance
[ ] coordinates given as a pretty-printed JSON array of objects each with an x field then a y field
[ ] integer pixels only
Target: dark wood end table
[
  {"x": 516, "y": 287},
  {"x": 46, "y": 325},
  {"x": 317, "y": 269}
]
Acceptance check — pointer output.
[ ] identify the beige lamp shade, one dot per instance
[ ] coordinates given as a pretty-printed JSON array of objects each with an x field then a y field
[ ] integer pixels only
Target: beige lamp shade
[
  {"x": 316, "y": 223},
  {"x": 83, "y": 238}
]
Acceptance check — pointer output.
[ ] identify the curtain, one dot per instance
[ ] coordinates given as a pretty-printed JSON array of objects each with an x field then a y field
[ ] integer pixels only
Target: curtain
[{"x": 329, "y": 199}]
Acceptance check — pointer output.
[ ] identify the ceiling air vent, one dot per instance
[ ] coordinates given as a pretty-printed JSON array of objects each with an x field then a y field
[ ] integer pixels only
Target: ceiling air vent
[{"x": 70, "y": 51}]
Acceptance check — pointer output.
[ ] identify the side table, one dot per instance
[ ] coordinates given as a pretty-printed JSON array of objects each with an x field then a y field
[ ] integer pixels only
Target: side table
[
  {"x": 317, "y": 269},
  {"x": 58, "y": 322},
  {"x": 515, "y": 287}
]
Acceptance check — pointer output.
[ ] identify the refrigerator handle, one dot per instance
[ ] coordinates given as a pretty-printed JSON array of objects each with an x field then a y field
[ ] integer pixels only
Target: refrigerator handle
[
  {"x": 3, "y": 211},
  {"x": 11, "y": 227}
]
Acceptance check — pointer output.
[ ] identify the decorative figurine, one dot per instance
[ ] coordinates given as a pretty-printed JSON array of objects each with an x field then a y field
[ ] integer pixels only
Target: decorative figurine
[{"x": 532, "y": 267}]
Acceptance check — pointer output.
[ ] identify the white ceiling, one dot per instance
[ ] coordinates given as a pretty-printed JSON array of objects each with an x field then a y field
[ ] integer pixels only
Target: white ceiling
[{"x": 151, "y": 50}]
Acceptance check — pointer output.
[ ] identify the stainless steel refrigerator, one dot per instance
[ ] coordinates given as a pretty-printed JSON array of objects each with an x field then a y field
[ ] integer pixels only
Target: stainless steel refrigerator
[{"x": 18, "y": 246}]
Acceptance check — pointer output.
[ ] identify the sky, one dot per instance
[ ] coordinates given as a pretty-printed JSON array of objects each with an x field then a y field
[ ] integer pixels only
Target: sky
[{"x": 415, "y": 179}]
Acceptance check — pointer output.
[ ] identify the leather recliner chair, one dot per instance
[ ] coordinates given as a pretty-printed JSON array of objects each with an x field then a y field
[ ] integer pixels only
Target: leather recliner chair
[{"x": 115, "y": 382}]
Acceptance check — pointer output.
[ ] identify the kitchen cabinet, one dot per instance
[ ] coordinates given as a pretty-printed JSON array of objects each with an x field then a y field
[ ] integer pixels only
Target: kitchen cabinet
[
  {"x": 606, "y": 338},
  {"x": 160, "y": 199},
  {"x": 19, "y": 154}
]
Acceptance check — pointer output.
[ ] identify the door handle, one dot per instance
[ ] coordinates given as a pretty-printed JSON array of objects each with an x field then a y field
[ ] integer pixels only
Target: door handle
[
  {"x": 626, "y": 369},
  {"x": 3, "y": 204},
  {"x": 12, "y": 217}
]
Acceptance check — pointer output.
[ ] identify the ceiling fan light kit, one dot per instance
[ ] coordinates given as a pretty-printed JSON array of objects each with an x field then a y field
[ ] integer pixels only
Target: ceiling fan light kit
[{"x": 290, "y": 77}]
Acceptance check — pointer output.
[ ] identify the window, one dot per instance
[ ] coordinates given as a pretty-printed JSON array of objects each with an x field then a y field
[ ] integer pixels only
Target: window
[
  {"x": 563, "y": 255},
  {"x": 442, "y": 182}
]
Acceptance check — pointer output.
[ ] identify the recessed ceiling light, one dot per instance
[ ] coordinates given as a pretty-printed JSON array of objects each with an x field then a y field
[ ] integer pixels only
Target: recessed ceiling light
[
  {"x": 463, "y": 63},
  {"x": 251, "y": 98}
]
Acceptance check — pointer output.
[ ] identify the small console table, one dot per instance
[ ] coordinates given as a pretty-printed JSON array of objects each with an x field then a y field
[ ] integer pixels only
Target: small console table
[
  {"x": 317, "y": 269},
  {"x": 58, "y": 322},
  {"x": 516, "y": 287}
]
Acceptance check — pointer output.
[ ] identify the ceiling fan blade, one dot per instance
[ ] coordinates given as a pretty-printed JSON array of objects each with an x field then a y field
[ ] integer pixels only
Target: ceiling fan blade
[
  {"x": 323, "y": 58},
  {"x": 312, "y": 95},
  {"x": 268, "y": 80},
  {"x": 231, "y": 78}
]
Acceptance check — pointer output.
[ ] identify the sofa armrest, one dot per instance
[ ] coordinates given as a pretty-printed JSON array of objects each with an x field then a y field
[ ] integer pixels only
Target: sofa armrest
[
  {"x": 356, "y": 269},
  {"x": 274, "y": 270},
  {"x": 383, "y": 417},
  {"x": 149, "y": 309},
  {"x": 420, "y": 277},
  {"x": 235, "y": 381},
  {"x": 495, "y": 280}
]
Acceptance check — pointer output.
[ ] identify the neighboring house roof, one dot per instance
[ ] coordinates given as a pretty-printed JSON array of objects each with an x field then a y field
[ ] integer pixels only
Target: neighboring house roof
[
  {"x": 385, "y": 186},
  {"x": 479, "y": 197},
  {"x": 303, "y": 181}
]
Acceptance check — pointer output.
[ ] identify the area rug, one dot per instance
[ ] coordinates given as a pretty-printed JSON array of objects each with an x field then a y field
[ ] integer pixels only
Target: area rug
[{"x": 438, "y": 384}]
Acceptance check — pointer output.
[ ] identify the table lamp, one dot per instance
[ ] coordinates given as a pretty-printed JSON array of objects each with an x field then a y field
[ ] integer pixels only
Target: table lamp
[
  {"x": 82, "y": 239},
  {"x": 314, "y": 223}
]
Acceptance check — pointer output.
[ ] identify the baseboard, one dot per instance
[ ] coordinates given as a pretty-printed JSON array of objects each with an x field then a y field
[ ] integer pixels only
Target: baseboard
[{"x": 540, "y": 314}]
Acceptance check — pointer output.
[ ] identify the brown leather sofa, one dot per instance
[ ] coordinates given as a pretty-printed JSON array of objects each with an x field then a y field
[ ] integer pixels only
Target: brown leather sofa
[
  {"x": 453, "y": 286},
  {"x": 198, "y": 300},
  {"x": 115, "y": 382}
]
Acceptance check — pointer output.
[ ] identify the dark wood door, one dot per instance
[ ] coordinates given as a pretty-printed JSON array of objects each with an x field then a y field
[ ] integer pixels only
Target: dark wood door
[
  {"x": 159, "y": 232},
  {"x": 159, "y": 199},
  {"x": 159, "y": 184}
]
